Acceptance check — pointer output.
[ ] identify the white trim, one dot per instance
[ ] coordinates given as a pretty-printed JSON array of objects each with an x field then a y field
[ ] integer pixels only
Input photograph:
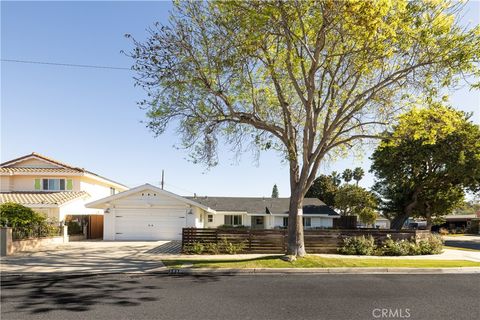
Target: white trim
[{"x": 99, "y": 204}]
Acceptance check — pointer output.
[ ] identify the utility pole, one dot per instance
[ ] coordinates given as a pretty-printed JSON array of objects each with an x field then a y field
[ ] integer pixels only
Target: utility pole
[{"x": 163, "y": 180}]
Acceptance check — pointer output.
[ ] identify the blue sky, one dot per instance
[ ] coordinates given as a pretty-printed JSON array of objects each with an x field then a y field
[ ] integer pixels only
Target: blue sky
[{"x": 89, "y": 117}]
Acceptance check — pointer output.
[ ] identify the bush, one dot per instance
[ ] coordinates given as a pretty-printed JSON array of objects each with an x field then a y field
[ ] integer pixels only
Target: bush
[
  {"x": 229, "y": 226},
  {"x": 391, "y": 247},
  {"x": 431, "y": 245},
  {"x": 16, "y": 215},
  {"x": 443, "y": 231},
  {"x": 231, "y": 248},
  {"x": 366, "y": 246},
  {"x": 194, "y": 248},
  {"x": 212, "y": 248},
  {"x": 74, "y": 228},
  {"x": 358, "y": 246}
]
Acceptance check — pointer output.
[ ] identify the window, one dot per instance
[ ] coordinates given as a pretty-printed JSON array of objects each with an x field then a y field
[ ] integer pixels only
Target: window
[
  {"x": 112, "y": 191},
  {"x": 53, "y": 184},
  {"x": 307, "y": 222},
  {"x": 285, "y": 221},
  {"x": 233, "y": 220},
  {"x": 210, "y": 218}
]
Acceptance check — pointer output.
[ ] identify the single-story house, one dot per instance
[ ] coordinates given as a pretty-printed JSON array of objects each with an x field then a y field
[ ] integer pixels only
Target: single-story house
[{"x": 150, "y": 213}]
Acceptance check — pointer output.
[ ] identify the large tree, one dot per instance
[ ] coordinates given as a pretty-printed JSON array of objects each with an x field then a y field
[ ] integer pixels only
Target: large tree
[
  {"x": 324, "y": 188},
  {"x": 426, "y": 163},
  {"x": 306, "y": 78},
  {"x": 354, "y": 200}
]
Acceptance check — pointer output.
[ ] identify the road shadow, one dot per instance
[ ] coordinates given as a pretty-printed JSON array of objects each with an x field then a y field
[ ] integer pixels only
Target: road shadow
[
  {"x": 80, "y": 293},
  {"x": 172, "y": 247}
]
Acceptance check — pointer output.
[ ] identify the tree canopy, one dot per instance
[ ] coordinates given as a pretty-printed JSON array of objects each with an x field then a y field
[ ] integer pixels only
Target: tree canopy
[
  {"x": 306, "y": 78},
  {"x": 354, "y": 200},
  {"x": 16, "y": 215},
  {"x": 427, "y": 162},
  {"x": 324, "y": 188}
]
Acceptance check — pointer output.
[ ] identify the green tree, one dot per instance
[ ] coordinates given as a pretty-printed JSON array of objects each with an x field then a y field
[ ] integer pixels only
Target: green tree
[
  {"x": 275, "y": 191},
  {"x": 16, "y": 215},
  {"x": 347, "y": 175},
  {"x": 427, "y": 162},
  {"x": 355, "y": 200},
  {"x": 324, "y": 188},
  {"x": 358, "y": 174},
  {"x": 305, "y": 78}
]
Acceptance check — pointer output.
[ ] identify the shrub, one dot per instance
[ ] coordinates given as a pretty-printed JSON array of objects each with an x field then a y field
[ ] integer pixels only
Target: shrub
[
  {"x": 431, "y": 245},
  {"x": 229, "y": 226},
  {"x": 194, "y": 248},
  {"x": 443, "y": 231},
  {"x": 391, "y": 247},
  {"x": 16, "y": 215},
  {"x": 231, "y": 248},
  {"x": 212, "y": 248},
  {"x": 74, "y": 228},
  {"x": 358, "y": 245}
]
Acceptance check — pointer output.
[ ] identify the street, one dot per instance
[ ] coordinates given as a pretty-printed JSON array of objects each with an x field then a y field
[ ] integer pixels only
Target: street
[{"x": 155, "y": 296}]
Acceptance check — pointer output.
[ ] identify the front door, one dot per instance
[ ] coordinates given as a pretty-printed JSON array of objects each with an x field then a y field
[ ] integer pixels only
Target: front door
[{"x": 258, "y": 222}]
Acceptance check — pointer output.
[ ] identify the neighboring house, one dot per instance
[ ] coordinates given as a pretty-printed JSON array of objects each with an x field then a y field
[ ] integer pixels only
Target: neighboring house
[
  {"x": 460, "y": 222},
  {"x": 150, "y": 213},
  {"x": 380, "y": 223},
  {"x": 54, "y": 188}
]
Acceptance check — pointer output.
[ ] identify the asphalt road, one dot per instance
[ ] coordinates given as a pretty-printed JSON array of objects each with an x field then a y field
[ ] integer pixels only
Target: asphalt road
[
  {"x": 463, "y": 244},
  {"x": 326, "y": 296}
]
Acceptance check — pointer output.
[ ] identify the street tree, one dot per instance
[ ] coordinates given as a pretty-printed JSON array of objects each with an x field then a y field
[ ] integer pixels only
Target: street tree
[
  {"x": 305, "y": 78},
  {"x": 426, "y": 164}
]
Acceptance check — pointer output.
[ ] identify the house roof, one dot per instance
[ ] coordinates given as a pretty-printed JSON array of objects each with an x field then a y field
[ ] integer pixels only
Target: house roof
[
  {"x": 63, "y": 168},
  {"x": 262, "y": 205},
  {"x": 41, "y": 198},
  {"x": 102, "y": 202},
  {"x": 37, "y": 170}
]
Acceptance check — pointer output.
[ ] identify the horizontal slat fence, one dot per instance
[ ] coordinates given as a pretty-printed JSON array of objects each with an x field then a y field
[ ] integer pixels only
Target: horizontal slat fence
[{"x": 275, "y": 241}]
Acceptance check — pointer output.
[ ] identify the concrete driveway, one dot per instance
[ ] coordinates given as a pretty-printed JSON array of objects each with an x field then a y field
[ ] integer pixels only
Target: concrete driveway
[{"x": 92, "y": 257}]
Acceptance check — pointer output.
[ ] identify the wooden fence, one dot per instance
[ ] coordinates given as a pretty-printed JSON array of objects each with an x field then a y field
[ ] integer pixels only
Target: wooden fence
[{"x": 275, "y": 241}]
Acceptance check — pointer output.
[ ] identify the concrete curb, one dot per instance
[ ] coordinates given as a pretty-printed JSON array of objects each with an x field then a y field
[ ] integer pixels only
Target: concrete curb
[
  {"x": 259, "y": 271},
  {"x": 263, "y": 271}
]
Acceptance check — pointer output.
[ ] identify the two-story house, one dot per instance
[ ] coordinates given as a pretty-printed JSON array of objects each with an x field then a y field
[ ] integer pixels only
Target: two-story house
[{"x": 54, "y": 188}]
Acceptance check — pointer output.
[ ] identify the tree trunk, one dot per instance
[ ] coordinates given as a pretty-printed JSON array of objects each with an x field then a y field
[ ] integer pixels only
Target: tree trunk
[
  {"x": 295, "y": 245},
  {"x": 399, "y": 220}
]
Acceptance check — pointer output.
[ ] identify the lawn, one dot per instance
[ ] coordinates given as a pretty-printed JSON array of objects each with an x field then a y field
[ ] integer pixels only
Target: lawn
[{"x": 320, "y": 262}]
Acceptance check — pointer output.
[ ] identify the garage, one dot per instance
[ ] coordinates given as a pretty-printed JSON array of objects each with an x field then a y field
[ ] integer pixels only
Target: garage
[
  {"x": 149, "y": 224},
  {"x": 147, "y": 213}
]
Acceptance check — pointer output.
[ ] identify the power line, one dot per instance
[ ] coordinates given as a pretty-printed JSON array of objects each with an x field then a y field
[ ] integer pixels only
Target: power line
[{"x": 65, "y": 64}]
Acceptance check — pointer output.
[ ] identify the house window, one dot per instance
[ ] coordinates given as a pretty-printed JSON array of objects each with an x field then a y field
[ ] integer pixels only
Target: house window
[
  {"x": 53, "y": 184},
  {"x": 112, "y": 191},
  {"x": 233, "y": 220},
  {"x": 285, "y": 221},
  {"x": 210, "y": 218},
  {"x": 307, "y": 222}
]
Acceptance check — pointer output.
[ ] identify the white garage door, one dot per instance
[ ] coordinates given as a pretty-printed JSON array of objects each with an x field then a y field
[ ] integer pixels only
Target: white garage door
[{"x": 149, "y": 224}]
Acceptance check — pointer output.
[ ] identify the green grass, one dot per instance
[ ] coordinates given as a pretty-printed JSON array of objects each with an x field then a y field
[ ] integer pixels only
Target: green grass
[
  {"x": 320, "y": 262},
  {"x": 458, "y": 248}
]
